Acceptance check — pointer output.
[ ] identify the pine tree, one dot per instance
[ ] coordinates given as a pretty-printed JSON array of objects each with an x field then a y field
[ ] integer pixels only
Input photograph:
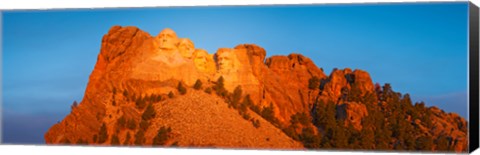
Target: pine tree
[
  {"x": 220, "y": 87},
  {"x": 303, "y": 118},
  {"x": 309, "y": 139},
  {"x": 114, "y": 141},
  {"x": 247, "y": 101},
  {"x": 144, "y": 124},
  {"x": 95, "y": 138},
  {"x": 162, "y": 136},
  {"x": 208, "y": 90},
  {"x": 149, "y": 113},
  {"x": 140, "y": 102},
  {"x": 74, "y": 105},
  {"x": 198, "y": 84},
  {"x": 330, "y": 112},
  {"x": 313, "y": 83},
  {"x": 103, "y": 134},
  {"x": 237, "y": 95},
  {"x": 424, "y": 143},
  {"x": 367, "y": 138},
  {"x": 355, "y": 93},
  {"x": 66, "y": 141},
  {"x": 127, "y": 139},
  {"x": 81, "y": 142},
  {"x": 354, "y": 138},
  {"x": 139, "y": 137},
  {"x": 131, "y": 124},
  {"x": 268, "y": 114},
  {"x": 442, "y": 143},
  {"x": 340, "y": 136},
  {"x": 121, "y": 122},
  {"x": 181, "y": 89},
  {"x": 319, "y": 114}
]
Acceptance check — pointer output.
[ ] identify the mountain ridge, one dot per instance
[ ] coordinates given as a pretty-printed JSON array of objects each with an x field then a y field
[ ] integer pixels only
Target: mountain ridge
[{"x": 135, "y": 70}]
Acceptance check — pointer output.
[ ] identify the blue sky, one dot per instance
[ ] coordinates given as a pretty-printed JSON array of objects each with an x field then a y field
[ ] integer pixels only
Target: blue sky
[{"x": 420, "y": 48}]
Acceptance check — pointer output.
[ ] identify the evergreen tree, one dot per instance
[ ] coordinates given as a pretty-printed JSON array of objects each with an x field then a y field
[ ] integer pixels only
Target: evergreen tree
[
  {"x": 144, "y": 124},
  {"x": 121, "y": 122},
  {"x": 442, "y": 143},
  {"x": 149, "y": 113},
  {"x": 387, "y": 90},
  {"x": 158, "y": 98},
  {"x": 309, "y": 139},
  {"x": 399, "y": 146},
  {"x": 367, "y": 139},
  {"x": 319, "y": 114},
  {"x": 256, "y": 123},
  {"x": 237, "y": 95},
  {"x": 139, "y": 137},
  {"x": 66, "y": 141},
  {"x": 208, "y": 90},
  {"x": 74, "y": 105},
  {"x": 424, "y": 143},
  {"x": 369, "y": 99},
  {"x": 382, "y": 137},
  {"x": 313, "y": 83},
  {"x": 114, "y": 141},
  {"x": 220, "y": 87},
  {"x": 95, "y": 138},
  {"x": 290, "y": 131},
  {"x": 197, "y": 85},
  {"x": 103, "y": 134},
  {"x": 140, "y": 102},
  {"x": 355, "y": 93},
  {"x": 81, "y": 142},
  {"x": 300, "y": 117},
  {"x": 125, "y": 94},
  {"x": 162, "y": 136},
  {"x": 340, "y": 136},
  {"x": 353, "y": 137},
  {"x": 127, "y": 139},
  {"x": 330, "y": 111},
  {"x": 247, "y": 100},
  {"x": 181, "y": 89},
  {"x": 131, "y": 124},
  {"x": 267, "y": 113}
]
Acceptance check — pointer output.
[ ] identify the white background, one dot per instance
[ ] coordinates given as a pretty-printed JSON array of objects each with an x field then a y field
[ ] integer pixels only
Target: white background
[{"x": 70, "y": 150}]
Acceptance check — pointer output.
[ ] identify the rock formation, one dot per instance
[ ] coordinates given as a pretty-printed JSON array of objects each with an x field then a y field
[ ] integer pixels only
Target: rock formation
[
  {"x": 134, "y": 68},
  {"x": 186, "y": 47},
  {"x": 353, "y": 113},
  {"x": 204, "y": 62}
]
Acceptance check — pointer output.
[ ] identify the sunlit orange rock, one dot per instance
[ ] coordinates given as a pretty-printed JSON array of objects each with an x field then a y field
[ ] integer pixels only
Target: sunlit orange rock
[
  {"x": 186, "y": 47},
  {"x": 204, "y": 62},
  {"x": 353, "y": 113},
  {"x": 133, "y": 65}
]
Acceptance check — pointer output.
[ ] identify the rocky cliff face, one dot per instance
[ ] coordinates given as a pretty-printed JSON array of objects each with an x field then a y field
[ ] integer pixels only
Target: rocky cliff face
[{"x": 135, "y": 70}]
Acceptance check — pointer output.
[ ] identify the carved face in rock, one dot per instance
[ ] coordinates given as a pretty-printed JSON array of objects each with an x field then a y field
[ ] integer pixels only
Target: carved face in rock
[
  {"x": 167, "y": 39},
  {"x": 186, "y": 47},
  {"x": 201, "y": 59},
  {"x": 226, "y": 59}
]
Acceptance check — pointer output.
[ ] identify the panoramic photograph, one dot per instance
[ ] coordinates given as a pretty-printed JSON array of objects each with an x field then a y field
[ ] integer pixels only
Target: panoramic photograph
[{"x": 356, "y": 77}]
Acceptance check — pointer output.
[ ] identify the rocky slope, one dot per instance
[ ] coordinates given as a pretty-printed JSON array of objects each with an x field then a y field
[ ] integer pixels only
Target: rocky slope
[{"x": 136, "y": 72}]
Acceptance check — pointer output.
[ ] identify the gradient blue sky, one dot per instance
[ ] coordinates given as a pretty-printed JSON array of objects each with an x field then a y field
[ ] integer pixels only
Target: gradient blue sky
[{"x": 420, "y": 48}]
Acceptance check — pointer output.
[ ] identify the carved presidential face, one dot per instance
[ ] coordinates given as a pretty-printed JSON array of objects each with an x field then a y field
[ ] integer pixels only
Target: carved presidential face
[
  {"x": 186, "y": 47},
  {"x": 167, "y": 39},
  {"x": 226, "y": 59},
  {"x": 200, "y": 59}
]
